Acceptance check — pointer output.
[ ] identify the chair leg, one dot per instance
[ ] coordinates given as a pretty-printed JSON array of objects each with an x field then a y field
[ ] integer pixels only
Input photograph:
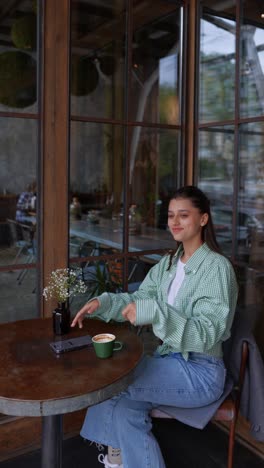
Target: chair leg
[
  {"x": 231, "y": 443},
  {"x": 22, "y": 276},
  {"x": 24, "y": 272},
  {"x": 17, "y": 255}
]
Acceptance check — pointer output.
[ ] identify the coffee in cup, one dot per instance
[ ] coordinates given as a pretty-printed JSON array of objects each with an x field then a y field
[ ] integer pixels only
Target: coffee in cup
[{"x": 104, "y": 344}]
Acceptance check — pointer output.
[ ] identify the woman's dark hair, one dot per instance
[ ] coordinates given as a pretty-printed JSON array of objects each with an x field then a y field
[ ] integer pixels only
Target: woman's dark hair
[{"x": 200, "y": 201}]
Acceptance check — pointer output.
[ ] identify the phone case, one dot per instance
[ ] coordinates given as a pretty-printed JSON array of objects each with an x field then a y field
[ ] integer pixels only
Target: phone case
[{"x": 64, "y": 346}]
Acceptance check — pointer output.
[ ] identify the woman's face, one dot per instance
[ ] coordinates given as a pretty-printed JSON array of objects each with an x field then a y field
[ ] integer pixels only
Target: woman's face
[{"x": 185, "y": 221}]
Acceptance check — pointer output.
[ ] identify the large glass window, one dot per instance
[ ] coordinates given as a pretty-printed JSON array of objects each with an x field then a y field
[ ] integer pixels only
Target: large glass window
[
  {"x": 230, "y": 161},
  {"x": 231, "y": 157},
  {"x": 125, "y": 132},
  {"x": 18, "y": 159}
]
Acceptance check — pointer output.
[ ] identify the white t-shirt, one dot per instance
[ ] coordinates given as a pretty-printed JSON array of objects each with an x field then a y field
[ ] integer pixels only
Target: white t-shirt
[{"x": 176, "y": 282}]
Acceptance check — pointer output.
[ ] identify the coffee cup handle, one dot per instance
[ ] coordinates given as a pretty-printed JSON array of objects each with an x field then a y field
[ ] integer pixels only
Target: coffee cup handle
[{"x": 117, "y": 346}]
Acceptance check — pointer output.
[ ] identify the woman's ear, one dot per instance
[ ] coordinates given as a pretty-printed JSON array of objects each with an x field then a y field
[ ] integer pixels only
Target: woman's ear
[{"x": 204, "y": 219}]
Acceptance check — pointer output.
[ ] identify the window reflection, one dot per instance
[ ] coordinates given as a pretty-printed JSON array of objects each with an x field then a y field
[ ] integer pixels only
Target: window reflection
[
  {"x": 252, "y": 61},
  {"x": 122, "y": 175},
  {"x": 222, "y": 164},
  {"x": 18, "y": 301},
  {"x": 98, "y": 58},
  {"x": 216, "y": 171},
  {"x": 251, "y": 197},
  {"x": 18, "y": 159},
  {"x": 18, "y": 57},
  {"x": 156, "y": 63},
  {"x": 217, "y": 64},
  {"x": 154, "y": 173},
  {"x": 96, "y": 184},
  {"x": 96, "y": 168}
]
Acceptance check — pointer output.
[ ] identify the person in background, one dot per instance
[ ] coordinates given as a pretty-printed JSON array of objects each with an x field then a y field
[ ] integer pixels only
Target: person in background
[
  {"x": 189, "y": 298},
  {"x": 75, "y": 208},
  {"x": 26, "y": 204}
]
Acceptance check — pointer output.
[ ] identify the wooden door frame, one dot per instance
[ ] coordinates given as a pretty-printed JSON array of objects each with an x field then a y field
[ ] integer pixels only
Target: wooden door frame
[{"x": 55, "y": 139}]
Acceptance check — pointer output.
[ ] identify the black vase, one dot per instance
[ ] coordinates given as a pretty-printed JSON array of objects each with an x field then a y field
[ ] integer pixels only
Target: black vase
[{"x": 61, "y": 319}]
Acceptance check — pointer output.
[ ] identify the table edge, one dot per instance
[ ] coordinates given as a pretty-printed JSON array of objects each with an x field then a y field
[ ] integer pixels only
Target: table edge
[{"x": 64, "y": 405}]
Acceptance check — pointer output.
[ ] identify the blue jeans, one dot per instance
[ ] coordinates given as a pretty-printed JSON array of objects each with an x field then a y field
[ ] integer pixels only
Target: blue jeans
[{"x": 124, "y": 422}]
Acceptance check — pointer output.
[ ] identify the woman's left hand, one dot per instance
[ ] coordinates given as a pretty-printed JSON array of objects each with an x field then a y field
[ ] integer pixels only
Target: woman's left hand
[{"x": 130, "y": 312}]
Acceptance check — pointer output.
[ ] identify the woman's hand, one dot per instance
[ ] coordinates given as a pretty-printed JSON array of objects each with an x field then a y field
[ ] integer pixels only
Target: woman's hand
[
  {"x": 89, "y": 309},
  {"x": 130, "y": 313}
]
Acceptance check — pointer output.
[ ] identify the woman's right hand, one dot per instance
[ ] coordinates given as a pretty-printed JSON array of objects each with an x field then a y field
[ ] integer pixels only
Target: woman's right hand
[{"x": 88, "y": 308}]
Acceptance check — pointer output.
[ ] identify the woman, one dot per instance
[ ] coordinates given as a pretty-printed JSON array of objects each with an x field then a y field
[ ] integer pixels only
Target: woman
[{"x": 189, "y": 298}]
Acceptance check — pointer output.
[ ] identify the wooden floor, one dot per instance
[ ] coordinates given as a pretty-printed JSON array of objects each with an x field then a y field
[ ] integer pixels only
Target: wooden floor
[{"x": 182, "y": 447}]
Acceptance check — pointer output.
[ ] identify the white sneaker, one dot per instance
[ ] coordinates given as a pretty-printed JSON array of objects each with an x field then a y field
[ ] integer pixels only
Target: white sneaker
[{"x": 103, "y": 459}]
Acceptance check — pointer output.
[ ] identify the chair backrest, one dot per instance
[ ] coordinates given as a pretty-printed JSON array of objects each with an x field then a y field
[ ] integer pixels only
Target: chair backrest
[
  {"x": 27, "y": 233},
  {"x": 14, "y": 231},
  {"x": 242, "y": 370}
]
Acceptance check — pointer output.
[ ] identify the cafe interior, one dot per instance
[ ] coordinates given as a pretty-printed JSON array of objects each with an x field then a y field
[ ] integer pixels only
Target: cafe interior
[{"x": 106, "y": 107}]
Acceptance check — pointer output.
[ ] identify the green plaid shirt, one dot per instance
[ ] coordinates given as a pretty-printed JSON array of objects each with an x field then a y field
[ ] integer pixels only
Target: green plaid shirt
[{"x": 202, "y": 313}]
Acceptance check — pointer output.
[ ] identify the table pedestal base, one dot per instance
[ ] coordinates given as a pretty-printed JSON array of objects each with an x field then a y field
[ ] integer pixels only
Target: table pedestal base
[{"x": 52, "y": 436}]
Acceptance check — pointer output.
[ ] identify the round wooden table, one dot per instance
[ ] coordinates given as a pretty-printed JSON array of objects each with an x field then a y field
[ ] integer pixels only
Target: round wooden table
[{"x": 34, "y": 381}]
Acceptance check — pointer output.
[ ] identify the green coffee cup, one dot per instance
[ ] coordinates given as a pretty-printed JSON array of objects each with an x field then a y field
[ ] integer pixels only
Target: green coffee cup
[{"x": 104, "y": 344}]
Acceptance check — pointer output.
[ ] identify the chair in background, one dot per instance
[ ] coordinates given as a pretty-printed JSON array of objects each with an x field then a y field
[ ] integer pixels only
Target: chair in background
[
  {"x": 88, "y": 249},
  {"x": 80, "y": 248},
  {"x": 227, "y": 410},
  {"x": 28, "y": 235},
  {"x": 19, "y": 243}
]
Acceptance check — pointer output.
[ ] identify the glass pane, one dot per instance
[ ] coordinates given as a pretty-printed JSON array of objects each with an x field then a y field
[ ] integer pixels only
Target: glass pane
[
  {"x": 216, "y": 178},
  {"x": 153, "y": 177},
  {"x": 96, "y": 187},
  {"x": 18, "y": 57},
  {"x": 217, "y": 63},
  {"x": 250, "y": 238},
  {"x": 18, "y": 164},
  {"x": 252, "y": 62},
  {"x": 156, "y": 62},
  {"x": 18, "y": 301},
  {"x": 97, "y": 58}
]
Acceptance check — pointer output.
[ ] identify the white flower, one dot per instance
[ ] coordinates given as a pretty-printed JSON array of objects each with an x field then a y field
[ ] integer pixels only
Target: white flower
[{"x": 64, "y": 283}]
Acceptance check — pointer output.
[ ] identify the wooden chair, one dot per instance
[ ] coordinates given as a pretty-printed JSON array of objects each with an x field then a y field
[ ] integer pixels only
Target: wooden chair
[{"x": 228, "y": 409}]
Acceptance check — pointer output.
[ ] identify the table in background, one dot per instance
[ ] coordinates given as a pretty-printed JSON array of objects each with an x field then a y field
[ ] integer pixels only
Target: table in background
[
  {"x": 108, "y": 233},
  {"x": 36, "y": 382}
]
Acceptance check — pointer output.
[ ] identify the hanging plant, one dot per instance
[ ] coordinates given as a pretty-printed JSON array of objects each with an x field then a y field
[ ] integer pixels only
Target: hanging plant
[
  {"x": 107, "y": 64},
  {"x": 84, "y": 76},
  {"x": 24, "y": 32},
  {"x": 17, "y": 79}
]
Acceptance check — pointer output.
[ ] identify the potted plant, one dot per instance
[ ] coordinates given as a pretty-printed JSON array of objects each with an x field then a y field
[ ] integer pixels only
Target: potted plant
[{"x": 101, "y": 278}]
